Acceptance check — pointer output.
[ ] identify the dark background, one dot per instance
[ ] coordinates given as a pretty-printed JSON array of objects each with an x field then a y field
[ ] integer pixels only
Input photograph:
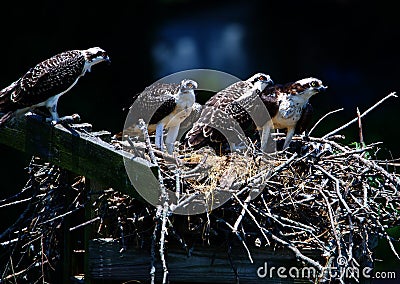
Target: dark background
[{"x": 349, "y": 45}]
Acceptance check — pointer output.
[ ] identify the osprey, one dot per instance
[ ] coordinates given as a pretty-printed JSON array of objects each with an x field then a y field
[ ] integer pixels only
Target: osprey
[
  {"x": 162, "y": 106},
  {"x": 222, "y": 112},
  {"x": 43, "y": 84},
  {"x": 288, "y": 107}
]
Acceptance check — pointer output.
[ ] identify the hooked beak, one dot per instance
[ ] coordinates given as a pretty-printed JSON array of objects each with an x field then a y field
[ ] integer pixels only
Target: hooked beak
[
  {"x": 107, "y": 59},
  {"x": 322, "y": 88}
]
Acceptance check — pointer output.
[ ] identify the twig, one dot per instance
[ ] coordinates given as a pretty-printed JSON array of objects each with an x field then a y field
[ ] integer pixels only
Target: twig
[
  {"x": 238, "y": 236},
  {"x": 199, "y": 166},
  {"x": 370, "y": 164},
  {"x": 84, "y": 224},
  {"x": 322, "y": 118},
  {"x": 347, "y": 153},
  {"x": 337, "y": 187},
  {"x": 62, "y": 215},
  {"x": 184, "y": 201},
  {"x": 331, "y": 219},
  {"x": 180, "y": 240},
  {"x": 360, "y": 131},
  {"x": 178, "y": 183},
  {"x": 388, "y": 239},
  {"x": 162, "y": 210},
  {"x": 233, "y": 266},
  {"x": 393, "y": 94},
  {"x": 153, "y": 246},
  {"x": 296, "y": 251},
  {"x": 23, "y": 271},
  {"x": 121, "y": 229},
  {"x": 252, "y": 217},
  {"x": 16, "y": 202},
  {"x": 258, "y": 180},
  {"x": 12, "y": 270},
  {"x": 239, "y": 219},
  {"x": 42, "y": 255}
]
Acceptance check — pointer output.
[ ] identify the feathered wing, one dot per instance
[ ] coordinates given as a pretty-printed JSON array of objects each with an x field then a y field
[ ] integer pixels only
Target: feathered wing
[
  {"x": 5, "y": 96},
  {"x": 152, "y": 105},
  {"x": 305, "y": 119},
  {"x": 217, "y": 113},
  {"x": 47, "y": 79},
  {"x": 270, "y": 98}
]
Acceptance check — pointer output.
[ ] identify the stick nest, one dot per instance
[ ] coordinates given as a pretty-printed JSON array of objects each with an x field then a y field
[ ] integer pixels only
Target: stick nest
[{"x": 319, "y": 196}]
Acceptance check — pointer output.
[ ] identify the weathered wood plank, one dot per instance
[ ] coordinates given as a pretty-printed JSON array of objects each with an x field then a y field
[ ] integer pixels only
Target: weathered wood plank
[
  {"x": 205, "y": 264},
  {"x": 76, "y": 151}
]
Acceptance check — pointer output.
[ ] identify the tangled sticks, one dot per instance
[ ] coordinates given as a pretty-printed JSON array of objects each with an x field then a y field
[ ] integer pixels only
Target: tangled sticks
[
  {"x": 321, "y": 196},
  {"x": 326, "y": 197}
]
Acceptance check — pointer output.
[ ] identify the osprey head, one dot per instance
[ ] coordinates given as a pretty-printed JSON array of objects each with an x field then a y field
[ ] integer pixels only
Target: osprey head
[
  {"x": 187, "y": 85},
  {"x": 260, "y": 81},
  {"x": 95, "y": 55},
  {"x": 307, "y": 87}
]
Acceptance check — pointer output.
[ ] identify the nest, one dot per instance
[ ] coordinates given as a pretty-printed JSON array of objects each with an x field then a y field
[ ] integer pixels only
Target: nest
[{"x": 320, "y": 196}]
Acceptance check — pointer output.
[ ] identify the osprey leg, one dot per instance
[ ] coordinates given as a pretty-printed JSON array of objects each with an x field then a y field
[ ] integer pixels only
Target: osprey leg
[
  {"x": 171, "y": 138},
  {"x": 159, "y": 136},
  {"x": 51, "y": 105},
  {"x": 266, "y": 130},
  {"x": 289, "y": 135}
]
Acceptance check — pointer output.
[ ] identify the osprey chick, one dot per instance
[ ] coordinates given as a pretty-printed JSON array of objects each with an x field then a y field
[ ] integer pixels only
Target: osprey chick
[
  {"x": 163, "y": 106},
  {"x": 220, "y": 113},
  {"x": 288, "y": 107},
  {"x": 43, "y": 84}
]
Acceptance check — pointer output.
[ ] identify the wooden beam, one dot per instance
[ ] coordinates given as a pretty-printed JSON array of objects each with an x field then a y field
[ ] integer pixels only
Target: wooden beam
[
  {"x": 77, "y": 151},
  {"x": 206, "y": 264}
]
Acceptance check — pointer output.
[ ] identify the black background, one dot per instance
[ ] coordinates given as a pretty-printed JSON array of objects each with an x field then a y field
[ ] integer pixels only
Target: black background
[{"x": 350, "y": 45}]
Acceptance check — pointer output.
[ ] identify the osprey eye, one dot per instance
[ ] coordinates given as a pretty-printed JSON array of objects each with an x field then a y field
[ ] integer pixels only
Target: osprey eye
[
  {"x": 261, "y": 78},
  {"x": 189, "y": 85},
  {"x": 314, "y": 84}
]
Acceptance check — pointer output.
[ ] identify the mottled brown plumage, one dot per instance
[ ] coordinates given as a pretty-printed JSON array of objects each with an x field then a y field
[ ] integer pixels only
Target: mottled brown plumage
[
  {"x": 162, "y": 106},
  {"x": 288, "y": 107},
  {"x": 225, "y": 113},
  {"x": 43, "y": 84},
  {"x": 154, "y": 103}
]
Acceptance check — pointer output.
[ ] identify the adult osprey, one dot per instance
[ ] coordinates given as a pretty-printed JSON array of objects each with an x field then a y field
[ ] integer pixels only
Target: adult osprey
[
  {"x": 43, "y": 84},
  {"x": 288, "y": 107},
  {"x": 221, "y": 116},
  {"x": 162, "y": 106}
]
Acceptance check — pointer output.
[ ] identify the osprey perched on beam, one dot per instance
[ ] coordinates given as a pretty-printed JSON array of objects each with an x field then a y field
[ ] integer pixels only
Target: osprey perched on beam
[
  {"x": 288, "y": 107},
  {"x": 43, "y": 84},
  {"x": 222, "y": 111},
  {"x": 162, "y": 106}
]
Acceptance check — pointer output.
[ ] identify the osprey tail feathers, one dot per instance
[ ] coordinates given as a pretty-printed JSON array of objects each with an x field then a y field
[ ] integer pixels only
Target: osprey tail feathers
[
  {"x": 6, "y": 117},
  {"x": 6, "y": 105}
]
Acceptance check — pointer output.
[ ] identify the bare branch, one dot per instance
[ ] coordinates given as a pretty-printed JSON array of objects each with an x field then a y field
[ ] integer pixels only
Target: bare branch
[{"x": 393, "y": 94}]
